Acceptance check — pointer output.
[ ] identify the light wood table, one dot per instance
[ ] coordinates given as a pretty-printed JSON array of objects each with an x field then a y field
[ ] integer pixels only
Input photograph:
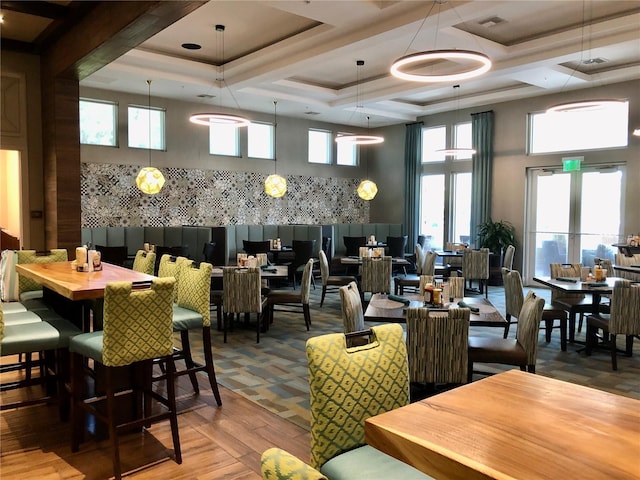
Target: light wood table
[
  {"x": 515, "y": 425},
  {"x": 62, "y": 279}
]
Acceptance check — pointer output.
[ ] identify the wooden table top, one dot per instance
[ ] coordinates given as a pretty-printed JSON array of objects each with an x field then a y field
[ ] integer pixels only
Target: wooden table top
[
  {"x": 62, "y": 279},
  {"x": 381, "y": 309},
  {"x": 358, "y": 261},
  {"x": 515, "y": 425},
  {"x": 281, "y": 271},
  {"x": 575, "y": 285}
]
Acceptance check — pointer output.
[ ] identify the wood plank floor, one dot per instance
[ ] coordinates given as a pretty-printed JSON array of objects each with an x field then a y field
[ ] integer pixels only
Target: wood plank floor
[{"x": 217, "y": 442}]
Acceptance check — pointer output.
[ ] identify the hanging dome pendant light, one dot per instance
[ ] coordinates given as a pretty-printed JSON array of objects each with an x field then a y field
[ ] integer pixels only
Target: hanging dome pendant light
[
  {"x": 150, "y": 180},
  {"x": 207, "y": 119},
  {"x": 275, "y": 185},
  {"x": 359, "y": 139}
]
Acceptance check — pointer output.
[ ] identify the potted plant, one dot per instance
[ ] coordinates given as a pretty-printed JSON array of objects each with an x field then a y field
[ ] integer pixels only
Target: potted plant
[{"x": 496, "y": 236}]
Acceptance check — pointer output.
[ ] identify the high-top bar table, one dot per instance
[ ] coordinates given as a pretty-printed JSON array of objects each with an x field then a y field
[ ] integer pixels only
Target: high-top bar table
[{"x": 515, "y": 425}]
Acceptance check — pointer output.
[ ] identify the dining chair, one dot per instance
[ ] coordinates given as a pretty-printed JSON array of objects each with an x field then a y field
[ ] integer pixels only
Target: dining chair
[
  {"x": 507, "y": 260},
  {"x": 427, "y": 267},
  {"x": 191, "y": 312},
  {"x": 291, "y": 299},
  {"x": 303, "y": 250},
  {"x": 27, "y": 332},
  {"x": 145, "y": 262},
  {"x": 376, "y": 275},
  {"x": 573, "y": 303},
  {"x": 396, "y": 248},
  {"x": 137, "y": 330},
  {"x": 351, "y": 308},
  {"x": 456, "y": 287},
  {"x": 242, "y": 293},
  {"x": 30, "y": 291},
  {"x": 353, "y": 244},
  {"x": 522, "y": 351},
  {"x": 475, "y": 266},
  {"x": 116, "y": 255},
  {"x": 170, "y": 267},
  {"x": 437, "y": 345},
  {"x": 208, "y": 251},
  {"x": 625, "y": 261},
  {"x": 252, "y": 247},
  {"x": 514, "y": 297},
  {"x": 348, "y": 386},
  {"x": 623, "y": 319},
  {"x": 331, "y": 283}
]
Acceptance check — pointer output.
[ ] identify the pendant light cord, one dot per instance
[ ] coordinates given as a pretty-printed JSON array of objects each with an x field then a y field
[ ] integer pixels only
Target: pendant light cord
[
  {"x": 275, "y": 136},
  {"x": 149, "y": 118}
]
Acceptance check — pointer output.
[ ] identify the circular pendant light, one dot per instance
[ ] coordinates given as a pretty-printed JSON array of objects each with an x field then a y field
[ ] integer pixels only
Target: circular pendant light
[
  {"x": 399, "y": 67},
  {"x": 207, "y": 119},
  {"x": 455, "y": 151},
  {"x": 583, "y": 105},
  {"x": 149, "y": 180},
  {"x": 367, "y": 190}
]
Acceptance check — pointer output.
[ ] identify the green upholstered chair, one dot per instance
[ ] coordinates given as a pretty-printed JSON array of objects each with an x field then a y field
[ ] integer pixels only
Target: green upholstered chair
[
  {"x": 331, "y": 283},
  {"x": 290, "y": 299},
  {"x": 425, "y": 265},
  {"x": 347, "y": 386},
  {"x": 351, "y": 306},
  {"x": 573, "y": 303},
  {"x": 192, "y": 312},
  {"x": 13, "y": 307},
  {"x": 522, "y": 352},
  {"x": 514, "y": 297},
  {"x": 376, "y": 275},
  {"x": 475, "y": 266},
  {"x": 138, "y": 328},
  {"x": 241, "y": 293},
  {"x": 437, "y": 345},
  {"x": 26, "y": 333},
  {"x": 170, "y": 267},
  {"x": 30, "y": 290},
  {"x": 144, "y": 262},
  {"x": 278, "y": 464},
  {"x": 623, "y": 319}
]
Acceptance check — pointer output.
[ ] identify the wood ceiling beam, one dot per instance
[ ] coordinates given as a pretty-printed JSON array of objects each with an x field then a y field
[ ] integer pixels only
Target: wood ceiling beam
[
  {"x": 50, "y": 10},
  {"x": 108, "y": 31}
]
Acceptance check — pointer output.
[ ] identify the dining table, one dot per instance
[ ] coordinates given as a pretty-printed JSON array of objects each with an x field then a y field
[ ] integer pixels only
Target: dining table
[
  {"x": 270, "y": 271},
  {"x": 596, "y": 289},
  {"x": 627, "y": 268},
  {"x": 514, "y": 425},
  {"x": 383, "y": 308}
]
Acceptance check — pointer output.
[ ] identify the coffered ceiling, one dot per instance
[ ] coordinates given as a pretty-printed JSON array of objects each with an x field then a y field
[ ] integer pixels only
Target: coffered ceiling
[{"x": 303, "y": 53}]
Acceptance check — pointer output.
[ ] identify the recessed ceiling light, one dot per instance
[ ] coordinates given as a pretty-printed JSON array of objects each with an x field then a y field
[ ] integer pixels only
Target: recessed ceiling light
[{"x": 191, "y": 46}]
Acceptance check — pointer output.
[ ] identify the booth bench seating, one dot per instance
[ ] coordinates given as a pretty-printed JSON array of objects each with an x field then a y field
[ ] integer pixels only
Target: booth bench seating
[
  {"x": 338, "y": 231},
  {"x": 229, "y": 238},
  {"x": 191, "y": 238}
]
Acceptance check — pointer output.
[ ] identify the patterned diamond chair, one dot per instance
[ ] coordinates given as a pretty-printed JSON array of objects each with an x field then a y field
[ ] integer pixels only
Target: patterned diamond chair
[
  {"x": 31, "y": 291},
  {"x": 331, "y": 283},
  {"x": 573, "y": 303},
  {"x": 437, "y": 345},
  {"x": 241, "y": 293},
  {"x": 624, "y": 319},
  {"x": 475, "y": 266},
  {"x": 278, "y": 464},
  {"x": 137, "y": 330},
  {"x": 25, "y": 332},
  {"x": 514, "y": 297},
  {"x": 292, "y": 299},
  {"x": 170, "y": 267},
  {"x": 522, "y": 352},
  {"x": 192, "y": 312},
  {"x": 376, "y": 275},
  {"x": 145, "y": 262},
  {"x": 347, "y": 386}
]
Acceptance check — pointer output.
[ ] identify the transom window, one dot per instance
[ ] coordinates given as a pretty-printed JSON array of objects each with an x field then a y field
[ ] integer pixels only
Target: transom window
[
  {"x": 433, "y": 139},
  {"x": 260, "y": 138},
  {"x": 320, "y": 146},
  {"x": 224, "y": 139},
  {"x": 140, "y": 120},
  {"x": 98, "y": 122}
]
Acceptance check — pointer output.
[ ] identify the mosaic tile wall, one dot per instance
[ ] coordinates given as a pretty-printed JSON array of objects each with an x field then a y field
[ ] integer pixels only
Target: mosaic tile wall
[{"x": 207, "y": 197}]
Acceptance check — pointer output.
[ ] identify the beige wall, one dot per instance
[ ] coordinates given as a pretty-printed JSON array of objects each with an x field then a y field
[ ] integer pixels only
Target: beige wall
[{"x": 511, "y": 160}]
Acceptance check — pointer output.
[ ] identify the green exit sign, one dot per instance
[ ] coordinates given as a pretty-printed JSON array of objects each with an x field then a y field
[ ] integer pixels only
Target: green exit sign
[{"x": 571, "y": 164}]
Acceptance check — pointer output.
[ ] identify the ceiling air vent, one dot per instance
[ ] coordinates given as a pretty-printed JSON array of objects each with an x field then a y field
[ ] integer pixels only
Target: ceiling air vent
[
  {"x": 491, "y": 22},
  {"x": 206, "y": 95},
  {"x": 592, "y": 61},
  {"x": 312, "y": 113}
]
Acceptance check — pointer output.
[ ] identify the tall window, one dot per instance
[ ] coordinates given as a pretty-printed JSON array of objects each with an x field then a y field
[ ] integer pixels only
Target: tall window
[
  {"x": 433, "y": 139},
  {"x": 462, "y": 139},
  {"x": 604, "y": 127},
  {"x": 224, "y": 140},
  {"x": 139, "y": 124},
  {"x": 320, "y": 146},
  {"x": 461, "y": 208},
  {"x": 432, "y": 209},
  {"x": 98, "y": 122},
  {"x": 260, "y": 138}
]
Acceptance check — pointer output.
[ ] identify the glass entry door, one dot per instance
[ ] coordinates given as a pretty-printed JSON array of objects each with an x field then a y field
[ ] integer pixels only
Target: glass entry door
[{"x": 572, "y": 217}]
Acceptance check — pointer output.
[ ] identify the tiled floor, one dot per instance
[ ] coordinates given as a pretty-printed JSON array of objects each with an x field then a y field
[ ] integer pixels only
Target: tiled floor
[{"x": 273, "y": 373}]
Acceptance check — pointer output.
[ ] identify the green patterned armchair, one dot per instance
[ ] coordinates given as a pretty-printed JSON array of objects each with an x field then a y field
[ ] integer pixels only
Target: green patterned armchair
[
  {"x": 192, "y": 312},
  {"x": 437, "y": 345},
  {"x": 347, "y": 386},
  {"x": 170, "y": 267},
  {"x": 624, "y": 319},
  {"x": 30, "y": 289},
  {"x": 137, "y": 330},
  {"x": 145, "y": 262}
]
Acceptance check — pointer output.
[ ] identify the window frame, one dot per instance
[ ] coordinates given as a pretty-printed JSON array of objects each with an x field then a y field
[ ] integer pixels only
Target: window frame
[
  {"x": 162, "y": 128},
  {"x": 329, "y": 147},
  {"x": 272, "y": 139},
  {"x": 213, "y": 127},
  {"x": 115, "y": 108}
]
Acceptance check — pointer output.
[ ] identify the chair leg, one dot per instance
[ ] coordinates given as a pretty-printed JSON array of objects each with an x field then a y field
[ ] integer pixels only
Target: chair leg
[
  {"x": 614, "y": 358},
  {"x": 469, "y": 370},
  {"x": 324, "y": 292},
  {"x": 208, "y": 357},
  {"x": 591, "y": 338},
  {"x": 77, "y": 392},
  {"x": 188, "y": 360},
  {"x": 113, "y": 433},
  {"x": 548, "y": 327},
  {"x": 506, "y": 327},
  {"x": 171, "y": 403},
  {"x": 563, "y": 334},
  {"x": 307, "y": 315}
]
